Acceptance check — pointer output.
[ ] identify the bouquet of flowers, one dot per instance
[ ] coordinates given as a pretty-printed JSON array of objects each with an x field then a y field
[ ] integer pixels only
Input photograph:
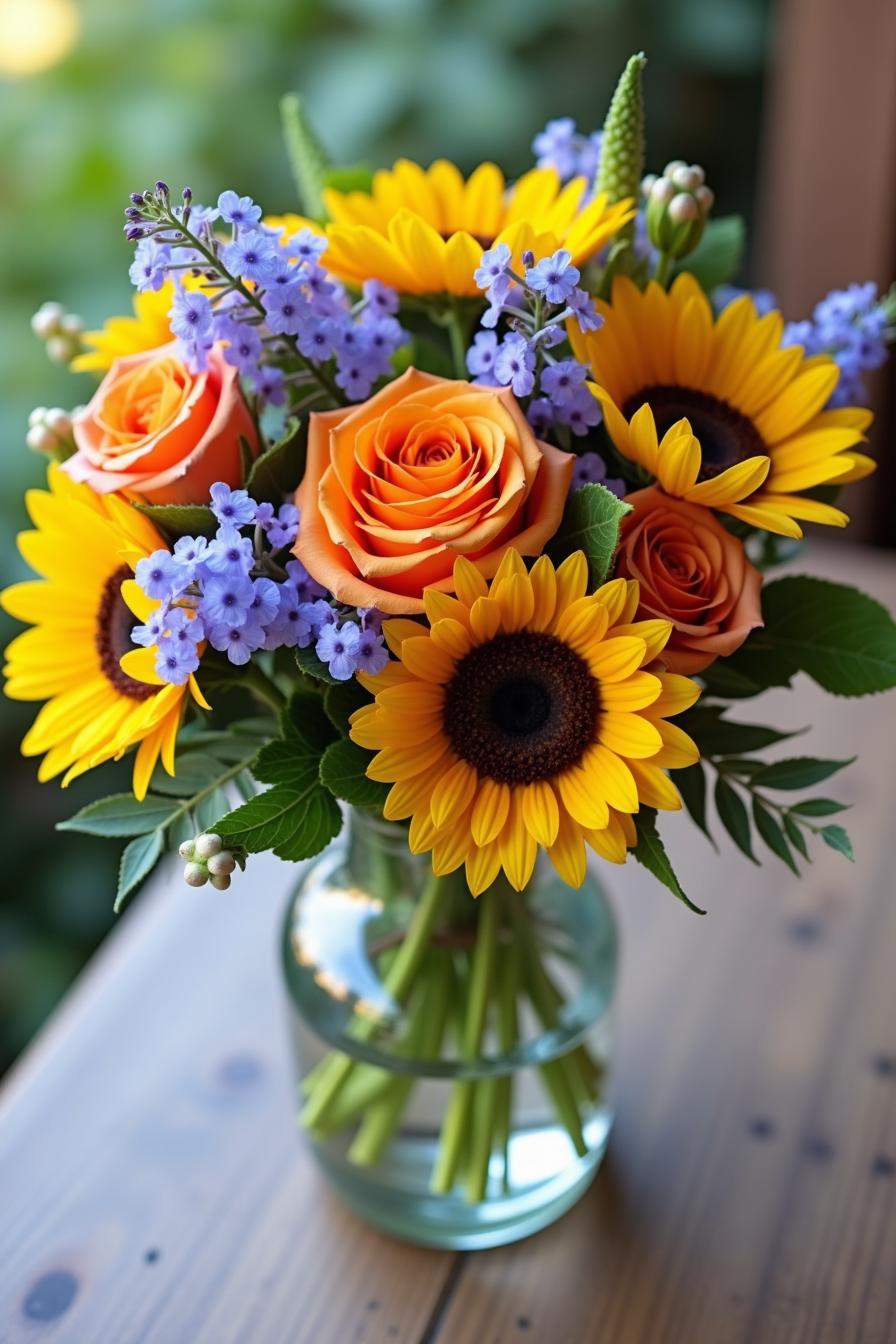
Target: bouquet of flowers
[{"x": 455, "y": 504}]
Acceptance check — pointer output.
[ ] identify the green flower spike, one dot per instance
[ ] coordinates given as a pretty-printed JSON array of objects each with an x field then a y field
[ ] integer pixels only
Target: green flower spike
[{"x": 622, "y": 147}]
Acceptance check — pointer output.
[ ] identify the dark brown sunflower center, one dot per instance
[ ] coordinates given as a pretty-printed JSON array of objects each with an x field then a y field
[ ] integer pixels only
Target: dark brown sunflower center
[
  {"x": 114, "y": 623},
  {"x": 726, "y": 436},
  {"x": 522, "y": 707}
]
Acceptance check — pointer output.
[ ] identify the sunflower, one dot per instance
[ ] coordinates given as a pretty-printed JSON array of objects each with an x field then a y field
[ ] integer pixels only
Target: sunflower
[
  {"x": 717, "y": 410},
  {"x": 423, "y": 230},
  {"x": 146, "y": 330},
  {"x": 523, "y": 718},
  {"x": 82, "y": 610}
]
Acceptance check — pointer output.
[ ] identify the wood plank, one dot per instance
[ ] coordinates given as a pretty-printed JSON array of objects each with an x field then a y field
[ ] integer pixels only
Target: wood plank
[
  {"x": 749, "y": 1193},
  {"x": 154, "y": 1186}
]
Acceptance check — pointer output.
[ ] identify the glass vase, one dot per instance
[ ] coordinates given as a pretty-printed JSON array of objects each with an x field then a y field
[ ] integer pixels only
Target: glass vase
[{"x": 453, "y": 1052}]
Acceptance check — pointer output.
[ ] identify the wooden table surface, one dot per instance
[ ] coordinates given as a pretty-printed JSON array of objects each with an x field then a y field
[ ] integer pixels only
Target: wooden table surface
[{"x": 154, "y": 1187}]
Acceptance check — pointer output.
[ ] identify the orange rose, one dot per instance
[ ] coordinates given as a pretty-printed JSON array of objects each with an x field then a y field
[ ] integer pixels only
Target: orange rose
[
  {"x": 693, "y": 573},
  {"x": 425, "y": 471},
  {"x": 155, "y": 428}
]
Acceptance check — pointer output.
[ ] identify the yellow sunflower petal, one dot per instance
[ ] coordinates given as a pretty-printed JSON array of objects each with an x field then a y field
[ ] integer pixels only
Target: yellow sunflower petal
[
  {"x": 541, "y": 814},
  {"x": 489, "y": 811}
]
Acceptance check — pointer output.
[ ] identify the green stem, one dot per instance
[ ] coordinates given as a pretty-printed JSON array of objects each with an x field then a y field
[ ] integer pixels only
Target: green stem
[
  {"x": 663, "y": 269},
  {"x": 508, "y": 1035},
  {"x": 457, "y": 334},
  {"x": 457, "y": 1116},
  {"x": 398, "y": 983}
]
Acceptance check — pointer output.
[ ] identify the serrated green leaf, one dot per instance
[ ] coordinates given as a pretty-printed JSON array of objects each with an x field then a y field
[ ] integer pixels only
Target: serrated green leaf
[
  {"x": 181, "y": 520},
  {"x": 840, "y": 637},
  {"x": 137, "y": 862},
  {"x": 718, "y": 736},
  {"x": 343, "y": 770},
  {"x": 294, "y": 824},
  {"x": 773, "y": 834},
  {"x": 277, "y": 472},
  {"x": 819, "y": 807},
  {"x": 591, "y": 524},
  {"x": 341, "y": 701},
  {"x": 734, "y": 816},
  {"x": 303, "y": 717},
  {"x": 651, "y": 853},
  {"x": 691, "y": 784},
  {"x": 120, "y": 814},
  {"x": 717, "y": 257},
  {"x": 307, "y": 159},
  {"x": 797, "y": 772},
  {"x": 309, "y": 663},
  {"x": 285, "y": 761},
  {"x": 838, "y": 839},
  {"x": 795, "y": 836}
]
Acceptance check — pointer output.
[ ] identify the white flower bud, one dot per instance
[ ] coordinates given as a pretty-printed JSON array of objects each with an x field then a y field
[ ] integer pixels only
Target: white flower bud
[
  {"x": 221, "y": 865},
  {"x": 72, "y": 324},
  {"x": 195, "y": 874},
  {"x": 683, "y": 209},
  {"x": 59, "y": 421},
  {"x": 688, "y": 179},
  {"x": 672, "y": 165},
  {"x": 220, "y": 882},
  {"x": 662, "y": 191},
  {"x": 37, "y": 416},
  {"x": 186, "y": 851},
  {"x": 646, "y": 183},
  {"x": 59, "y": 349},
  {"x": 46, "y": 320},
  {"x": 39, "y": 439},
  {"x": 705, "y": 198},
  {"x": 207, "y": 845}
]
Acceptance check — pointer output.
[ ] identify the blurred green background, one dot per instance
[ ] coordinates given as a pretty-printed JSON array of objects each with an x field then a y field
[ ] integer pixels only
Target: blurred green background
[{"x": 188, "y": 90}]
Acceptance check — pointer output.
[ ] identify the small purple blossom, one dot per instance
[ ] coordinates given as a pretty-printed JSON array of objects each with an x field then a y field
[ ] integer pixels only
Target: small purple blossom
[
  {"x": 339, "y": 647},
  {"x": 562, "y": 380},
  {"x": 555, "y": 277},
  {"x": 265, "y": 603},
  {"x": 239, "y": 642},
  {"x": 160, "y": 576},
  {"x": 282, "y": 529},
  {"x": 175, "y": 661},
  {"x": 540, "y": 415},
  {"x": 191, "y": 315},
  {"x": 286, "y": 308},
  {"x": 252, "y": 255},
  {"x": 244, "y": 348},
  {"x": 240, "y": 211},
  {"x": 190, "y": 551},
  {"x": 591, "y": 469},
  {"x": 379, "y": 298},
  {"x": 149, "y": 269},
  {"x": 232, "y": 508},
  {"x": 514, "y": 364},
  {"x": 481, "y": 358},
  {"x": 491, "y": 274},
  {"x": 318, "y": 614},
  {"x": 290, "y": 627},
  {"x": 226, "y": 600},
  {"x": 581, "y": 305},
  {"x": 306, "y": 246},
  {"x": 581, "y": 412},
  {"x": 372, "y": 654},
  {"x": 269, "y": 384},
  {"x": 306, "y": 588},
  {"x": 149, "y": 634}
]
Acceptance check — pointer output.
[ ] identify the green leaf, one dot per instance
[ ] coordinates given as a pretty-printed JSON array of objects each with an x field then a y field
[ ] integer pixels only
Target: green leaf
[
  {"x": 298, "y": 816},
  {"x": 819, "y": 807},
  {"x": 691, "y": 784},
  {"x": 306, "y": 157},
  {"x": 838, "y": 839},
  {"x": 795, "y": 835},
  {"x": 277, "y": 472},
  {"x": 718, "y": 255},
  {"x": 343, "y": 770},
  {"x": 181, "y": 520},
  {"x": 651, "y": 853},
  {"x": 309, "y": 663},
  {"x": 798, "y": 772},
  {"x": 303, "y": 718},
  {"x": 718, "y": 736},
  {"x": 840, "y": 637},
  {"x": 341, "y": 701},
  {"x": 772, "y": 834},
  {"x": 294, "y": 824},
  {"x": 591, "y": 524},
  {"x": 733, "y": 816},
  {"x": 137, "y": 862},
  {"x": 121, "y": 814},
  {"x": 747, "y": 672},
  {"x": 193, "y": 771}
]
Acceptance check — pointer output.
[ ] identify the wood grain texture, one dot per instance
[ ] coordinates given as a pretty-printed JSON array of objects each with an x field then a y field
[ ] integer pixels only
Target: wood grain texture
[{"x": 154, "y": 1190}]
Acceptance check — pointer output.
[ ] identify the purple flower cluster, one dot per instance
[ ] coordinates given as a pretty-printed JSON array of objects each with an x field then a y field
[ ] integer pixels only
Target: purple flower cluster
[
  {"x": 266, "y": 298},
  {"x": 854, "y": 326},
  {"x": 572, "y": 154},
  {"x": 232, "y": 593},
  {"x": 591, "y": 469},
  {"x": 536, "y": 305}
]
